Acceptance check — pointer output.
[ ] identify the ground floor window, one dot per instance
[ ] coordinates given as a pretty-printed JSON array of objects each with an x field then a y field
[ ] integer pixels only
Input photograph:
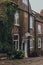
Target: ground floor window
[
  {"x": 16, "y": 41},
  {"x": 39, "y": 42}
]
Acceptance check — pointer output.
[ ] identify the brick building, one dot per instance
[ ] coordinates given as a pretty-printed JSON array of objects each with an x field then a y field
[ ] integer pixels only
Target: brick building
[
  {"x": 20, "y": 28},
  {"x": 20, "y": 40},
  {"x": 27, "y": 26},
  {"x": 38, "y": 31}
]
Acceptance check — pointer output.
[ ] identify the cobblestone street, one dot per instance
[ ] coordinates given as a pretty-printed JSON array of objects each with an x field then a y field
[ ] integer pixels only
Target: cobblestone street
[{"x": 29, "y": 61}]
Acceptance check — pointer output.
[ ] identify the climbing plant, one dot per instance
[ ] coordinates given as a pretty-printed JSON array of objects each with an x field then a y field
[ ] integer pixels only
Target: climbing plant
[{"x": 9, "y": 10}]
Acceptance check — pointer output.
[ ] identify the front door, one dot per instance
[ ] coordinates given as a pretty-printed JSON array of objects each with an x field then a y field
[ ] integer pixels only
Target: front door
[{"x": 24, "y": 48}]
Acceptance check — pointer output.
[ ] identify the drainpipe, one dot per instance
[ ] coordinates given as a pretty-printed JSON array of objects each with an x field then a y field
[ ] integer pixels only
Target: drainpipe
[
  {"x": 28, "y": 43},
  {"x": 35, "y": 32}
]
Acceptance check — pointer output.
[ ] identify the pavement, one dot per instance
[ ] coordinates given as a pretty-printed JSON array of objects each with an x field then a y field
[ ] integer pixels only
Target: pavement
[{"x": 26, "y": 61}]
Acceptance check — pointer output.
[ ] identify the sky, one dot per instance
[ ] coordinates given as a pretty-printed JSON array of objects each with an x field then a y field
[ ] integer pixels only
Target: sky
[{"x": 36, "y": 5}]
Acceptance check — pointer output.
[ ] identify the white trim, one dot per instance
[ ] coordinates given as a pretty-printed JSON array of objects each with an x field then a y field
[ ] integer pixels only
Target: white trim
[
  {"x": 31, "y": 22},
  {"x": 27, "y": 34},
  {"x": 16, "y": 40},
  {"x": 16, "y": 17},
  {"x": 25, "y": 47},
  {"x": 31, "y": 47},
  {"x": 39, "y": 29},
  {"x": 31, "y": 43}
]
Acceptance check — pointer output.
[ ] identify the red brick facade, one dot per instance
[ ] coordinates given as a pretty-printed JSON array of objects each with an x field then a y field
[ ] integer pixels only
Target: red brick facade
[{"x": 23, "y": 18}]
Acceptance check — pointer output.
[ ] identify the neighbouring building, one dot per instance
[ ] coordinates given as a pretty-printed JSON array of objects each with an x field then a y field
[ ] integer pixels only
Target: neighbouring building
[
  {"x": 38, "y": 31},
  {"x": 41, "y": 13}
]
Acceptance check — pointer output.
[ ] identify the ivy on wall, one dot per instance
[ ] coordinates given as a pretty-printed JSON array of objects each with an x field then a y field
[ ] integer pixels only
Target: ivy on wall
[{"x": 7, "y": 21}]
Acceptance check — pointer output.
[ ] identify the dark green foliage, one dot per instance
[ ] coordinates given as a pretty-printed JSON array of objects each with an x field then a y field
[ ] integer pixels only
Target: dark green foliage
[
  {"x": 19, "y": 54},
  {"x": 6, "y": 44},
  {"x": 6, "y": 25},
  {"x": 1, "y": 46}
]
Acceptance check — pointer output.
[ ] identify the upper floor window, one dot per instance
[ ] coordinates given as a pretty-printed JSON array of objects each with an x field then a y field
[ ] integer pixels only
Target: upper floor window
[
  {"x": 31, "y": 22},
  {"x": 39, "y": 42},
  {"x": 39, "y": 29},
  {"x": 16, "y": 18},
  {"x": 25, "y": 2}
]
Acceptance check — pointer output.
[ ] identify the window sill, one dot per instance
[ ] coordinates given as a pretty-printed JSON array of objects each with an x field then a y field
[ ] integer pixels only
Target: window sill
[
  {"x": 16, "y": 24},
  {"x": 31, "y": 28},
  {"x": 31, "y": 47},
  {"x": 39, "y": 33}
]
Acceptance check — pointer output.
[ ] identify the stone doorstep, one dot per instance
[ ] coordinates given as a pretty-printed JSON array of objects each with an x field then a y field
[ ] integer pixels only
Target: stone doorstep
[{"x": 3, "y": 58}]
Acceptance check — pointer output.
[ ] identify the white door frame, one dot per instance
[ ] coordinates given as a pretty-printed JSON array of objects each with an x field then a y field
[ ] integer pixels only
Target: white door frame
[{"x": 25, "y": 47}]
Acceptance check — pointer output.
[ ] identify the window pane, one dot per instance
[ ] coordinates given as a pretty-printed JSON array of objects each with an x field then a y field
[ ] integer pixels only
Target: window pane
[
  {"x": 39, "y": 29},
  {"x": 15, "y": 37},
  {"x": 16, "y": 44},
  {"x": 16, "y": 18},
  {"x": 39, "y": 42},
  {"x": 31, "y": 25}
]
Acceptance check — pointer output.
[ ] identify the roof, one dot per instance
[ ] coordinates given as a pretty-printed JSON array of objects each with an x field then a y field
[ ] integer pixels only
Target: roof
[{"x": 37, "y": 16}]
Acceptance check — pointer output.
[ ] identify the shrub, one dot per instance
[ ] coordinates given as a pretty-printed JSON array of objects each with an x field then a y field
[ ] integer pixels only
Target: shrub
[{"x": 19, "y": 54}]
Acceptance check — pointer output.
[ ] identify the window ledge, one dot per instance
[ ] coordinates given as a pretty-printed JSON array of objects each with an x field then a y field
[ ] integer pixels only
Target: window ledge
[
  {"x": 39, "y": 33},
  {"x": 16, "y": 24},
  {"x": 31, "y": 47},
  {"x": 31, "y": 28}
]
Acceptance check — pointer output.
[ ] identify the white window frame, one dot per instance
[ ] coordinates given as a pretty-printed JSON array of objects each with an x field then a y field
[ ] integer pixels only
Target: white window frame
[
  {"x": 16, "y": 17},
  {"x": 25, "y": 2},
  {"x": 31, "y": 22},
  {"x": 39, "y": 44},
  {"x": 39, "y": 29},
  {"x": 16, "y": 40}
]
